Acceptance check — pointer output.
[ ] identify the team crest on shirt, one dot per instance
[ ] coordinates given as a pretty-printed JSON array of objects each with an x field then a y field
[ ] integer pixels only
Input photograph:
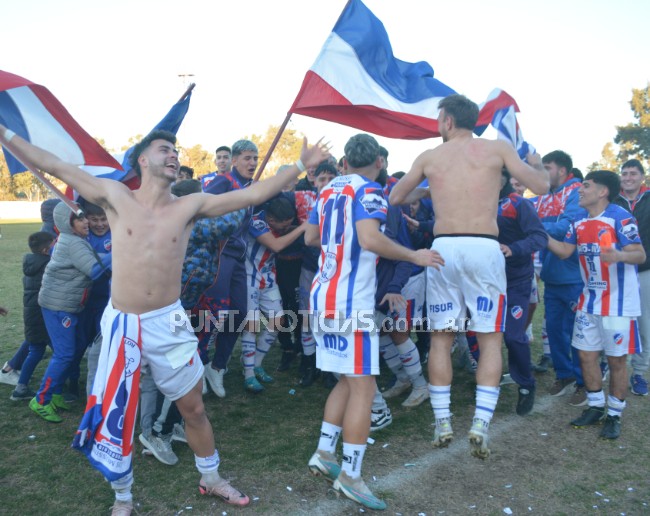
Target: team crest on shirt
[
  {"x": 373, "y": 201},
  {"x": 131, "y": 356},
  {"x": 629, "y": 229},
  {"x": 328, "y": 269},
  {"x": 517, "y": 312},
  {"x": 107, "y": 245},
  {"x": 259, "y": 224}
]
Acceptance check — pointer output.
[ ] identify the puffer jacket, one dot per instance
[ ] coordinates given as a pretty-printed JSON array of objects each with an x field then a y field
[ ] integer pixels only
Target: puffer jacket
[
  {"x": 67, "y": 278},
  {"x": 33, "y": 269}
]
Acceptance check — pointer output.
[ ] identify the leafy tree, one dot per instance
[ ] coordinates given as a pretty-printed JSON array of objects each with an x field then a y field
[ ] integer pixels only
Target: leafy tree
[
  {"x": 287, "y": 150},
  {"x": 198, "y": 158},
  {"x": 634, "y": 138},
  {"x": 609, "y": 159}
]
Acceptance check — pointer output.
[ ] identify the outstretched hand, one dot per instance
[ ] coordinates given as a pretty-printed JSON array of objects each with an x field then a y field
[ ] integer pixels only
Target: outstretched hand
[
  {"x": 428, "y": 258},
  {"x": 396, "y": 302},
  {"x": 313, "y": 156}
]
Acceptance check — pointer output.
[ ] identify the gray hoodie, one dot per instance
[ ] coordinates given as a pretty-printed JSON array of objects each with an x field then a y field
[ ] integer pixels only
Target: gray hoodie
[{"x": 66, "y": 282}]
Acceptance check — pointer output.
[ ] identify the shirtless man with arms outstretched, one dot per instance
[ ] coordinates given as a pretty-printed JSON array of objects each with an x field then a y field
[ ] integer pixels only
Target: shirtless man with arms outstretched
[
  {"x": 150, "y": 229},
  {"x": 464, "y": 175}
]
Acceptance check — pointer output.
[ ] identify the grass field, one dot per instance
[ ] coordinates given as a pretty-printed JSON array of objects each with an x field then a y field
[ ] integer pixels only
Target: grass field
[{"x": 539, "y": 463}]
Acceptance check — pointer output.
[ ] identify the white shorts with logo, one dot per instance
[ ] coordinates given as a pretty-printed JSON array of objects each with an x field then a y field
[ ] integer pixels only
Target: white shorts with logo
[
  {"x": 267, "y": 301},
  {"x": 410, "y": 315},
  {"x": 616, "y": 336},
  {"x": 473, "y": 280},
  {"x": 169, "y": 348}
]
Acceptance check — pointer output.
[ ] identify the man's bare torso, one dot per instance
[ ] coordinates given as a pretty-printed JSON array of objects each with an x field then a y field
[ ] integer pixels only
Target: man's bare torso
[{"x": 464, "y": 180}]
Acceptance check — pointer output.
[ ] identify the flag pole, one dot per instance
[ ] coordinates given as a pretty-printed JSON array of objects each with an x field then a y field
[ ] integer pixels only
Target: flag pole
[
  {"x": 187, "y": 92},
  {"x": 272, "y": 148}
]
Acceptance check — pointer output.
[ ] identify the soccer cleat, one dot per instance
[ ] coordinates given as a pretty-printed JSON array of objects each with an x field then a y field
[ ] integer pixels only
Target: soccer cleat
[
  {"x": 417, "y": 397},
  {"x": 478, "y": 438},
  {"x": 443, "y": 433},
  {"x": 47, "y": 412},
  {"x": 9, "y": 377},
  {"x": 122, "y": 508},
  {"x": 590, "y": 416},
  {"x": 357, "y": 490},
  {"x": 638, "y": 385},
  {"x": 161, "y": 448},
  {"x": 252, "y": 385},
  {"x": 178, "y": 433},
  {"x": 215, "y": 380},
  {"x": 22, "y": 392},
  {"x": 579, "y": 396},
  {"x": 225, "y": 491},
  {"x": 543, "y": 365},
  {"x": 561, "y": 386},
  {"x": 399, "y": 387},
  {"x": 59, "y": 403},
  {"x": 526, "y": 400},
  {"x": 324, "y": 464},
  {"x": 611, "y": 428},
  {"x": 262, "y": 375},
  {"x": 380, "y": 419}
]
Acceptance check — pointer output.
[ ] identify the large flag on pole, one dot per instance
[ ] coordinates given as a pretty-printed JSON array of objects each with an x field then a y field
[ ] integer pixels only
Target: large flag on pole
[
  {"x": 32, "y": 112},
  {"x": 357, "y": 81}
]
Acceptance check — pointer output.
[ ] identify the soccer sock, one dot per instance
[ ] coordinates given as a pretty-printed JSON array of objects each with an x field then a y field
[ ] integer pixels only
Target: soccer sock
[
  {"x": 329, "y": 436},
  {"x": 352, "y": 459},
  {"x": 379, "y": 402},
  {"x": 615, "y": 406},
  {"x": 208, "y": 467},
  {"x": 266, "y": 340},
  {"x": 440, "y": 397},
  {"x": 546, "y": 347},
  {"x": 410, "y": 358},
  {"x": 308, "y": 344},
  {"x": 122, "y": 488},
  {"x": 596, "y": 398},
  {"x": 248, "y": 353},
  {"x": 486, "y": 401},
  {"x": 389, "y": 351}
]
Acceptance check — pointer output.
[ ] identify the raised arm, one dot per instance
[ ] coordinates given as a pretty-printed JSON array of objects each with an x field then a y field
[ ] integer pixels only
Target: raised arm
[
  {"x": 531, "y": 174},
  {"x": 406, "y": 190},
  {"x": 256, "y": 194},
  {"x": 90, "y": 187}
]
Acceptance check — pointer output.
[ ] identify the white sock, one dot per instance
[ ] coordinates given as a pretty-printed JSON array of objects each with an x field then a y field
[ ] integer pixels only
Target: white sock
[
  {"x": 390, "y": 354},
  {"x": 329, "y": 436},
  {"x": 264, "y": 343},
  {"x": 352, "y": 459},
  {"x": 248, "y": 353},
  {"x": 596, "y": 399},
  {"x": 440, "y": 397},
  {"x": 615, "y": 406},
  {"x": 122, "y": 488},
  {"x": 208, "y": 467},
  {"x": 486, "y": 402},
  {"x": 308, "y": 344},
  {"x": 378, "y": 402},
  {"x": 410, "y": 358}
]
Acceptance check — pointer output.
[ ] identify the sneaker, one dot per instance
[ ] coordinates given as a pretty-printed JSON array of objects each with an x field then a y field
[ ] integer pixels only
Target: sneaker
[
  {"x": 161, "y": 447},
  {"x": 252, "y": 385},
  {"x": 604, "y": 370},
  {"x": 526, "y": 400},
  {"x": 561, "y": 386},
  {"x": 579, "y": 396},
  {"x": 9, "y": 377},
  {"x": 47, "y": 412},
  {"x": 443, "y": 434},
  {"x": 262, "y": 376},
  {"x": 324, "y": 464},
  {"x": 215, "y": 380},
  {"x": 380, "y": 419},
  {"x": 478, "y": 438},
  {"x": 225, "y": 491},
  {"x": 543, "y": 365},
  {"x": 590, "y": 416},
  {"x": 178, "y": 433},
  {"x": 611, "y": 428},
  {"x": 122, "y": 508},
  {"x": 357, "y": 490},
  {"x": 506, "y": 379},
  {"x": 417, "y": 397},
  {"x": 59, "y": 402},
  {"x": 400, "y": 387},
  {"x": 288, "y": 356},
  {"x": 638, "y": 385},
  {"x": 22, "y": 392}
]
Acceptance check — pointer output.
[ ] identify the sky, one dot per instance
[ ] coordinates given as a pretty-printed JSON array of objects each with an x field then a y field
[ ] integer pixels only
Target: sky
[{"x": 116, "y": 66}]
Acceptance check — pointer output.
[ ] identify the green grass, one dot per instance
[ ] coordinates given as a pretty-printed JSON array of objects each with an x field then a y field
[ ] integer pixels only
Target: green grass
[{"x": 266, "y": 440}]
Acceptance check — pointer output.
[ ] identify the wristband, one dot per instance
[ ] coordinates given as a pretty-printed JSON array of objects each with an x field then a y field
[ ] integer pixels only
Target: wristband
[
  {"x": 9, "y": 134},
  {"x": 300, "y": 165}
]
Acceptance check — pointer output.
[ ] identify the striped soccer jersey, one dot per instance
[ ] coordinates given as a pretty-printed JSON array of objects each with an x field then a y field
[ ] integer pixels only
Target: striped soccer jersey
[
  {"x": 260, "y": 260},
  {"x": 344, "y": 284},
  {"x": 611, "y": 289}
]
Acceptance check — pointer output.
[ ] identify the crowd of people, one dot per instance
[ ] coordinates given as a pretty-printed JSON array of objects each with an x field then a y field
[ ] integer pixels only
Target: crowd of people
[{"x": 346, "y": 268}]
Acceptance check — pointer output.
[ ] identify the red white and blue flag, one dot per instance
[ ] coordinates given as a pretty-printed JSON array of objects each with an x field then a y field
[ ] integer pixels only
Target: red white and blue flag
[
  {"x": 356, "y": 81},
  {"x": 32, "y": 112}
]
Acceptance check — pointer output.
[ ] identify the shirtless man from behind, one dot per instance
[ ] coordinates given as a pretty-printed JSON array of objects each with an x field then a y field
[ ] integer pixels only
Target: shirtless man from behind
[
  {"x": 464, "y": 175},
  {"x": 150, "y": 229}
]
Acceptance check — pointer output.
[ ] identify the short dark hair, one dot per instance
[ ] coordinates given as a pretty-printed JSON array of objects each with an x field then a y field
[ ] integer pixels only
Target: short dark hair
[
  {"x": 222, "y": 148},
  {"x": 560, "y": 158},
  {"x": 326, "y": 168},
  {"x": 383, "y": 152},
  {"x": 39, "y": 240},
  {"x": 186, "y": 187},
  {"x": 361, "y": 150},
  {"x": 398, "y": 175},
  {"x": 139, "y": 148},
  {"x": 577, "y": 173},
  {"x": 461, "y": 109},
  {"x": 606, "y": 178},
  {"x": 93, "y": 209},
  {"x": 633, "y": 163},
  {"x": 280, "y": 208},
  {"x": 188, "y": 170}
]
